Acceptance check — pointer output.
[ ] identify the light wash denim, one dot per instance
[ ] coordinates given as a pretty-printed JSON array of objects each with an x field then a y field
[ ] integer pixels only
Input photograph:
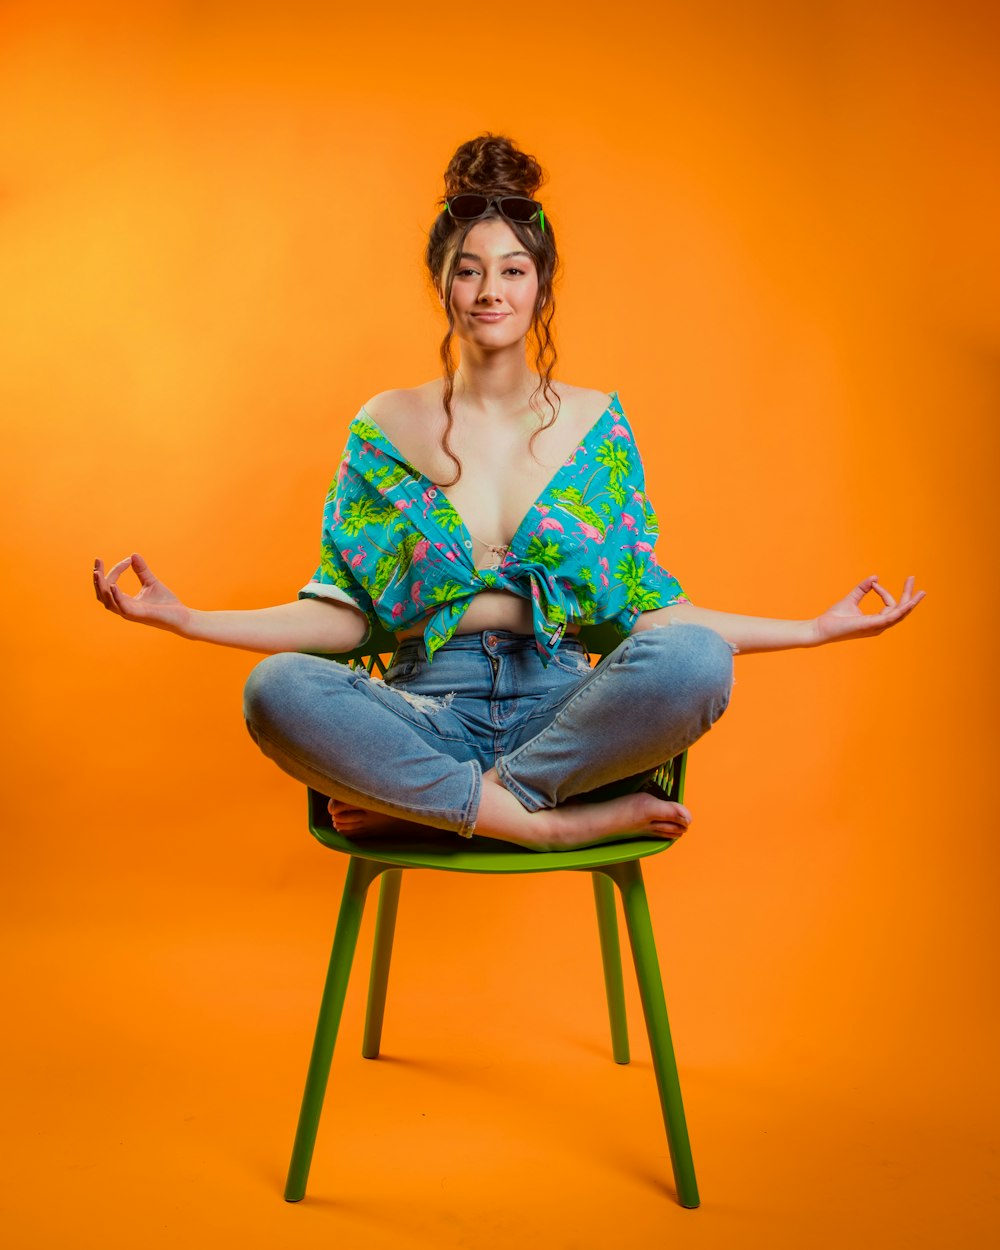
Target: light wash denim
[{"x": 416, "y": 744}]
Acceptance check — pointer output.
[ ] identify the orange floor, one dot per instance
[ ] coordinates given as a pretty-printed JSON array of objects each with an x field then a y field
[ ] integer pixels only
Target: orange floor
[{"x": 157, "y": 1048}]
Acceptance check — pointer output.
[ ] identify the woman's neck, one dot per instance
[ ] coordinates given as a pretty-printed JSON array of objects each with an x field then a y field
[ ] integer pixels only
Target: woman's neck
[{"x": 494, "y": 384}]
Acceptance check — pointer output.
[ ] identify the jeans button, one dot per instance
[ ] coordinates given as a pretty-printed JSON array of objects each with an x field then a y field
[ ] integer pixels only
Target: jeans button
[{"x": 491, "y": 640}]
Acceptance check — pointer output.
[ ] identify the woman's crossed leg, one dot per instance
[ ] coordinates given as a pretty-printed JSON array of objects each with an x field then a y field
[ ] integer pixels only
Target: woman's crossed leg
[{"x": 396, "y": 764}]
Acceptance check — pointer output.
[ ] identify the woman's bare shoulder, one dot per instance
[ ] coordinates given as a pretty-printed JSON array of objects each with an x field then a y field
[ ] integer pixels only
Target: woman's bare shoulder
[
  {"x": 581, "y": 405},
  {"x": 398, "y": 410}
]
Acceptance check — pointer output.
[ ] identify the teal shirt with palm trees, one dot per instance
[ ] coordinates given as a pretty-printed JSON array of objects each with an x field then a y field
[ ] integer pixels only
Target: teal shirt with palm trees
[{"x": 394, "y": 546}]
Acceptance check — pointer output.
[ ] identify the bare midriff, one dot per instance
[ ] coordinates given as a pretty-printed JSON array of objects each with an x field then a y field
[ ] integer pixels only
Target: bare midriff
[{"x": 492, "y": 609}]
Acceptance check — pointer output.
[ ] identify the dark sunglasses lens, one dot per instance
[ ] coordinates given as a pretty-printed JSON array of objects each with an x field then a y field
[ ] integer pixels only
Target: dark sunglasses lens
[
  {"x": 468, "y": 206},
  {"x": 517, "y": 208}
]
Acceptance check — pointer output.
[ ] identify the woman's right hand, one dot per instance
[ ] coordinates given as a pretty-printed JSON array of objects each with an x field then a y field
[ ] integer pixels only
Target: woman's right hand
[{"x": 153, "y": 605}]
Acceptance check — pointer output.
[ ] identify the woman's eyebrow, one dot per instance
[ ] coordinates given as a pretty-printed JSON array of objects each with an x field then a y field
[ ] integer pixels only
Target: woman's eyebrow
[{"x": 505, "y": 256}]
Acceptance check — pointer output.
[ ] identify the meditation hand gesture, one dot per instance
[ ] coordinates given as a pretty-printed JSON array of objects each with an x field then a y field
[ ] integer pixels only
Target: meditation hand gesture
[
  {"x": 153, "y": 605},
  {"x": 846, "y": 619}
]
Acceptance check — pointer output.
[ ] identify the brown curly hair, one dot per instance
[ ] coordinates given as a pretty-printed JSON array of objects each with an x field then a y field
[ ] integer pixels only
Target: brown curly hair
[{"x": 495, "y": 165}]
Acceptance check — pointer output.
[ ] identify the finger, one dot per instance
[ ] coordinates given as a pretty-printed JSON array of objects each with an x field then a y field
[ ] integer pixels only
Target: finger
[
  {"x": 119, "y": 602},
  {"x": 101, "y": 586},
  {"x": 884, "y": 595},
  {"x": 118, "y": 569},
  {"x": 908, "y": 592},
  {"x": 114, "y": 597},
  {"x": 862, "y": 589},
  {"x": 142, "y": 570},
  {"x": 902, "y": 610},
  {"x": 126, "y": 605}
]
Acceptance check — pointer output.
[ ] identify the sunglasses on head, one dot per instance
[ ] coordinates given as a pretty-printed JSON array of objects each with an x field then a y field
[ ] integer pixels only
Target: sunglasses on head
[{"x": 469, "y": 206}]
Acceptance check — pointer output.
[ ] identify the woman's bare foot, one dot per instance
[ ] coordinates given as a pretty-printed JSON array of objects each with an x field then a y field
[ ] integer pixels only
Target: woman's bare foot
[
  {"x": 501, "y": 816},
  {"x": 576, "y": 824},
  {"x": 354, "y": 821}
]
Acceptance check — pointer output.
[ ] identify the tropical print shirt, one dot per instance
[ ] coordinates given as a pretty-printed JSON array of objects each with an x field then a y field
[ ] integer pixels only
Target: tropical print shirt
[{"x": 394, "y": 547}]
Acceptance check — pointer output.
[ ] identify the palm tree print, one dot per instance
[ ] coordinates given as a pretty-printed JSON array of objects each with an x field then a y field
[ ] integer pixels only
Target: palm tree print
[
  {"x": 544, "y": 551},
  {"x": 362, "y": 512}
]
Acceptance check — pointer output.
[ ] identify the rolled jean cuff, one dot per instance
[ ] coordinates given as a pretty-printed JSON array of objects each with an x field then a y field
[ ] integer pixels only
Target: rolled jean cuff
[
  {"x": 468, "y": 825},
  {"x": 530, "y": 802}
]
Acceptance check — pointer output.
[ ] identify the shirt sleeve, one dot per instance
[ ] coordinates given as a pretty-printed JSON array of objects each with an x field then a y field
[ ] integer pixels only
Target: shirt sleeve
[
  {"x": 334, "y": 579},
  {"x": 635, "y": 566}
]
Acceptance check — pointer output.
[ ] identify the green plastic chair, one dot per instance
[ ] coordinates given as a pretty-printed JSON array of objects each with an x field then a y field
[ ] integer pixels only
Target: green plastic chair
[{"x": 616, "y": 863}]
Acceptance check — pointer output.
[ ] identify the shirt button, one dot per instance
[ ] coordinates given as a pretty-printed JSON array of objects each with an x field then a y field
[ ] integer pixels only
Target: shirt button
[
  {"x": 432, "y": 493},
  {"x": 468, "y": 544}
]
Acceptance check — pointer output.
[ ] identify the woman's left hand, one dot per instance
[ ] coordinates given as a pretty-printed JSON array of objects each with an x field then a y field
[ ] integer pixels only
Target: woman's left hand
[{"x": 846, "y": 619}]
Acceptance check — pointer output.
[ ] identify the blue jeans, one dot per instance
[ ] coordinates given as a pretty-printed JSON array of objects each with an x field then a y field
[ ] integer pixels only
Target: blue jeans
[{"x": 415, "y": 745}]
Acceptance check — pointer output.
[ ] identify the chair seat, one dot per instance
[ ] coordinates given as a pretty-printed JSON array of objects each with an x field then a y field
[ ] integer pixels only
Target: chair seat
[{"x": 454, "y": 854}]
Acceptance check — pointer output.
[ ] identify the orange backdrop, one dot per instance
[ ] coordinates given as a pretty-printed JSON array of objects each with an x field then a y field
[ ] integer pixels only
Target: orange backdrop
[{"x": 778, "y": 225}]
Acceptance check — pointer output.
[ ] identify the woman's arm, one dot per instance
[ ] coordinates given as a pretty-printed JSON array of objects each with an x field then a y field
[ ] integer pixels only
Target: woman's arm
[
  {"x": 316, "y": 625},
  {"x": 760, "y": 633}
]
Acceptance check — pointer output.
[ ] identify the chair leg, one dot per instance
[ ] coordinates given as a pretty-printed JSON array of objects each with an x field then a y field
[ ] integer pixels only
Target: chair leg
[
  {"x": 385, "y": 927},
  {"x": 611, "y": 957},
  {"x": 628, "y": 877},
  {"x": 360, "y": 874}
]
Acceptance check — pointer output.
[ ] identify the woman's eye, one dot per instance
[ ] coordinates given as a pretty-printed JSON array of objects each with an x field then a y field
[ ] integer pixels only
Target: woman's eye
[
  {"x": 517, "y": 272},
  {"x": 465, "y": 273}
]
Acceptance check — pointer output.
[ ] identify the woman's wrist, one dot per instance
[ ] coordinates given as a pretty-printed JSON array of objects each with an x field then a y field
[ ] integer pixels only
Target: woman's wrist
[
  {"x": 811, "y": 634},
  {"x": 193, "y": 624}
]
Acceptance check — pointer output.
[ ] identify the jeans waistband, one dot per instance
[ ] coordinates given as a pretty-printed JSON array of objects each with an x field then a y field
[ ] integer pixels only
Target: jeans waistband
[{"x": 490, "y": 641}]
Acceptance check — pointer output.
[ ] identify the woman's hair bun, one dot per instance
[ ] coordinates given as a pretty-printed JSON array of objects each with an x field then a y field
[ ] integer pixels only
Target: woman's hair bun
[{"x": 492, "y": 165}]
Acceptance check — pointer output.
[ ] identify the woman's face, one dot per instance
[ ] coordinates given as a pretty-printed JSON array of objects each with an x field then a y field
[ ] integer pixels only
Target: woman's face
[{"x": 495, "y": 287}]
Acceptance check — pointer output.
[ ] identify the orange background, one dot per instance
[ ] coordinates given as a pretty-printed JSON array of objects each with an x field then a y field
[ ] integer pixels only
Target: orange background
[{"x": 779, "y": 231}]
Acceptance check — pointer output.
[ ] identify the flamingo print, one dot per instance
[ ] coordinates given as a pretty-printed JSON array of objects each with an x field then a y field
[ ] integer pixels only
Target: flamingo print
[{"x": 548, "y": 523}]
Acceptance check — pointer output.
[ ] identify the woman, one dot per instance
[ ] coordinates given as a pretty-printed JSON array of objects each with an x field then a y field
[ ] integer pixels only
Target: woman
[{"x": 490, "y": 718}]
